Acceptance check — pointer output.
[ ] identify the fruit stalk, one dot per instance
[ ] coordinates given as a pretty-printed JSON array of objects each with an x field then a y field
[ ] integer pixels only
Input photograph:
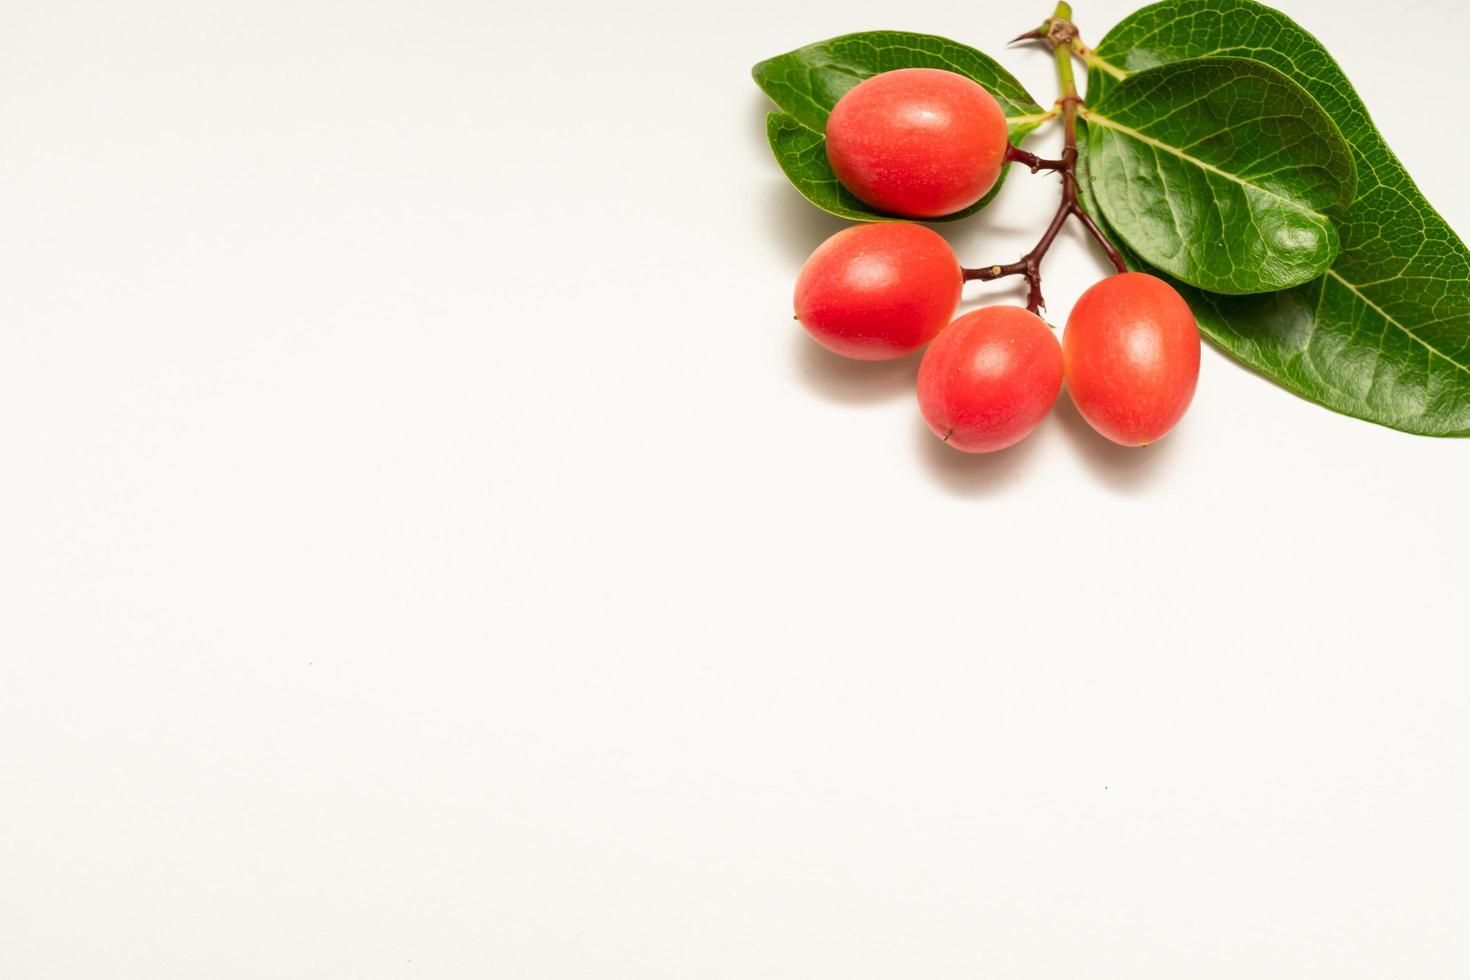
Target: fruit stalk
[{"x": 1059, "y": 34}]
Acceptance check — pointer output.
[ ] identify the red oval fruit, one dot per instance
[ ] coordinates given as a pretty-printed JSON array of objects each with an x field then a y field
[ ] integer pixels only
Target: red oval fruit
[
  {"x": 918, "y": 142},
  {"x": 1131, "y": 350},
  {"x": 878, "y": 291},
  {"x": 989, "y": 378}
]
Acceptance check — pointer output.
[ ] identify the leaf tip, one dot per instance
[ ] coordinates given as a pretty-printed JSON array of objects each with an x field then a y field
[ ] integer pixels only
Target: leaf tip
[{"x": 760, "y": 71}]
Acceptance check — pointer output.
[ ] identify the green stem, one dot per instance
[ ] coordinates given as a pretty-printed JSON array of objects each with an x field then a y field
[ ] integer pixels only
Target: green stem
[
  {"x": 1059, "y": 34},
  {"x": 1063, "y": 52}
]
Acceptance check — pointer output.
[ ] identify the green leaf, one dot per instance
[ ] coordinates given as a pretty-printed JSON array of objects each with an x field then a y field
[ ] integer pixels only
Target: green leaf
[
  {"x": 1384, "y": 334},
  {"x": 802, "y": 154},
  {"x": 1222, "y": 172},
  {"x": 806, "y": 84}
]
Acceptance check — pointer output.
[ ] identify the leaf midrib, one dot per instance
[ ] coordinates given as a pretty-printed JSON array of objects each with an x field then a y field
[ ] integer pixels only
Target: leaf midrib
[
  {"x": 1389, "y": 317},
  {"x": 1092, "y": 115}
]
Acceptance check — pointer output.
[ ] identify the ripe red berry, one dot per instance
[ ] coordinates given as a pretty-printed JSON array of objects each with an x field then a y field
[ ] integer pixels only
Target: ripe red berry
[
  {"x": 878, "y": 291},
  {"x": 918, "y": 142},
  {"x": 989, "y": 378},
  {"x": 1131, "y": 350}
]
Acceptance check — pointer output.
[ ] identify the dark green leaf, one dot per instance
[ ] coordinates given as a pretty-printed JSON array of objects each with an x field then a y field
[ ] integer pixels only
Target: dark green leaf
[
  {"x": 1384, "y": 334},
  {"x": 802, "y": 154},
  {"x": 1222, "y": 172},
  {"x": 807, "y": 82}
]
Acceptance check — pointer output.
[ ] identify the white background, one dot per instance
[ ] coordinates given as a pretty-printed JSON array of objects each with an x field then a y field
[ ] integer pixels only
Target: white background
[{"x": 429, "y": 549}]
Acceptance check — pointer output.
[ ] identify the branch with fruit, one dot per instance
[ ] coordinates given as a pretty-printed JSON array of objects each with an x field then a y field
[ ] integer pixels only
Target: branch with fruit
[{"x": 1234, "y": 196}]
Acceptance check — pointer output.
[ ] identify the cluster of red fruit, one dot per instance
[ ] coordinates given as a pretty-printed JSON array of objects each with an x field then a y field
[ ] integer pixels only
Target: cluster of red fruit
[{"x": 923, "y": 143}]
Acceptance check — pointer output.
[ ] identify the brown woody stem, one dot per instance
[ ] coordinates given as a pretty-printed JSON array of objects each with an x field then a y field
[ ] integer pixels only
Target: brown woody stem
[
  {"x": 1018, "y": 155},
  {"x": 1059, "y": 34}
]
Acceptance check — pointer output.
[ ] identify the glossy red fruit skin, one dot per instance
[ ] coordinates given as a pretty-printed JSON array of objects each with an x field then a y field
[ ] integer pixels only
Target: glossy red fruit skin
[
  {"x": 878, "y": 291},
  {"x": 917, "y": 142},
  {"x": 989, "y": 378},
  {"x": 1131, "y": 355}
]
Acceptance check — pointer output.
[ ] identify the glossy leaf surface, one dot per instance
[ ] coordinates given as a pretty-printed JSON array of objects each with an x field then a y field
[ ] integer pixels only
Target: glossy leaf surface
[
  {"x": 1384, "y": 333},
  {"x": 1222, "y": 172},
  {"x": 806, "y": 84}
]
